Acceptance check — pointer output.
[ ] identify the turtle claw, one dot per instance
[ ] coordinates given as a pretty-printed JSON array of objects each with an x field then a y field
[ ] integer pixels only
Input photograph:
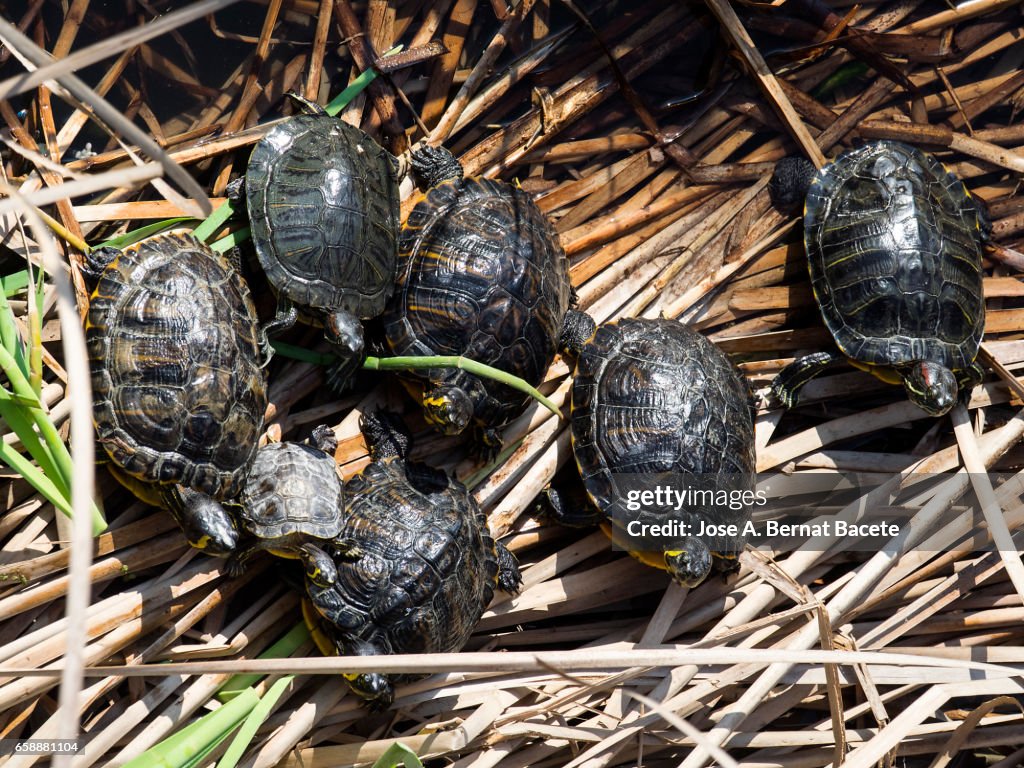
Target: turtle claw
[
  {"x": 234, "y": 566},
  {"x": 341, "y": 376},
  {"x": 345, "y": 549},
  {"x": 780, "y": 396},
  {"x": 489, "y": 444},
  {"x": 235, "y": 191},
  {"x": 324, "y": 439}
]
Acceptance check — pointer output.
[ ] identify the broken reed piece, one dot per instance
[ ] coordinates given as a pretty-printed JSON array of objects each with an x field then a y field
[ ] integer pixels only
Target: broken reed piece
[
  {"x": 941, "y": 136},
  {"x": 408, "y": 58}
]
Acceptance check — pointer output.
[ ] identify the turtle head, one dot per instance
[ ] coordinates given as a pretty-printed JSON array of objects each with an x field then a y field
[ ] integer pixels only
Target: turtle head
[
  {"x": 790, "y": 181},
  {"x": 204, "y": 520},
  {"x": 577, "y": 328},
  {"x": 691, "y": 564},
  {"x": 449, "y": 408},
  {"x": 930, "y": 386},
  {"x": 319, "y": 566},
  {"x": 373, "y": 688}
]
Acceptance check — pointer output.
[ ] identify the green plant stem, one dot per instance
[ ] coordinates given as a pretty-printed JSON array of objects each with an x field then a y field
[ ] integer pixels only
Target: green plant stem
[
  {"x": 398, "y": 754},
  {"x": 212, "y": 223},
  {"x": 22, "y": 388},
  {"x": 192, "y": 743},
  {"x": 60, "y": 465},
  {"x": 128, "y": 238},
  {"x": 14, "y": 283},
  {"x": 463, "y": 363},
  {"x": 281, "y": 649},
  {"x": 253, "y": 721},
  {"x": 412, "y": 363},
  {"x": 38, "y": 480}
]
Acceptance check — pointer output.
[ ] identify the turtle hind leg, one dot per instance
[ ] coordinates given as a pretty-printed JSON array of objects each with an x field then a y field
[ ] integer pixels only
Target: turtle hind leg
[
  {"x": 786, "y": 386},
  {"x": 344, "y": 332},
  {"x": 509, "y": 577},
  {"x": 567, "y": 503},
  {"x": 790, "y": 181}
]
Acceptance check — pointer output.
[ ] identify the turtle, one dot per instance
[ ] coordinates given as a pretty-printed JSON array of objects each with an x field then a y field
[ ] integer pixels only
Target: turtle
[
  {"x": 292, "y": 502},
  {"x": 894, "y": 244},
  {"x": 652, "y": 398},
  {"x": 322, "y": 200},
  {"x": 176, "y": 358},
  {"x": 481, "y": 274},
  {"x": 415, "y": 564}
]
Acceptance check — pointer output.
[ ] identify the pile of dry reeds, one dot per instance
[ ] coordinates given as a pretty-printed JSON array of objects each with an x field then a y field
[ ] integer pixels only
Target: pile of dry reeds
[{"x": 647, "y": 132}]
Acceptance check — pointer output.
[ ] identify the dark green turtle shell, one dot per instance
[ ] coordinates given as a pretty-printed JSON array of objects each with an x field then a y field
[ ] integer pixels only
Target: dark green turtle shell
[
  {"x": 175, "y": 356},
  {"x": 894, "y": 247},
  {"x": 292, "y": 491},
  {"x": 324, "y": 211},
  {"x": 652, "y": 397},
  {"x": 426, "y": 569},
  {"x": 481, "y": 273}
]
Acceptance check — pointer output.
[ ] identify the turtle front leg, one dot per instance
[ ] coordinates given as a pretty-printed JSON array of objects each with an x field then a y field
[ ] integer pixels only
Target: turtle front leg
[
  {"x": 96, "y": 261},
  {"x": 238, "y": 561},
  {"x": 306, "y": 106},
  {"x": 489, "y": 443},
  {"x": 325, "y": 440},
  {"x": 509, "y": 577},
  {"x": 434, "y": 165},
  {"x": 204, "y": 521},
  {"x": 787, "y": 384},
  {"x": 285, "y": 318},
  {"x": 344, "y": 332},
  {"x": 968, "y": 379}
]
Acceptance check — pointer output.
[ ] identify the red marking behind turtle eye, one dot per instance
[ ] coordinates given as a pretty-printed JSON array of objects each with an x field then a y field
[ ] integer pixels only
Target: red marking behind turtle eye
[{"x": 927, "y": 375}]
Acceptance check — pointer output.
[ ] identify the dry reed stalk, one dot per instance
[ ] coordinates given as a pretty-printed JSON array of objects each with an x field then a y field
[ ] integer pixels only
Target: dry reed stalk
[{"x": 737, "y": 281}]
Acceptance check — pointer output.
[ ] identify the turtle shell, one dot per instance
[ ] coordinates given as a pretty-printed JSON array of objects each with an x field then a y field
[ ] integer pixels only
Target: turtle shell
[
  {"x": 653, "y": 397},
  {"x": 894, "y": 249},
  {"x": 292, "y": 490},
  {"x": 324, "y": 211},
  {"x": 481, "y": 274},
  {"x": 175, "y": 356},
  {"x": 426, "y": 566}
]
